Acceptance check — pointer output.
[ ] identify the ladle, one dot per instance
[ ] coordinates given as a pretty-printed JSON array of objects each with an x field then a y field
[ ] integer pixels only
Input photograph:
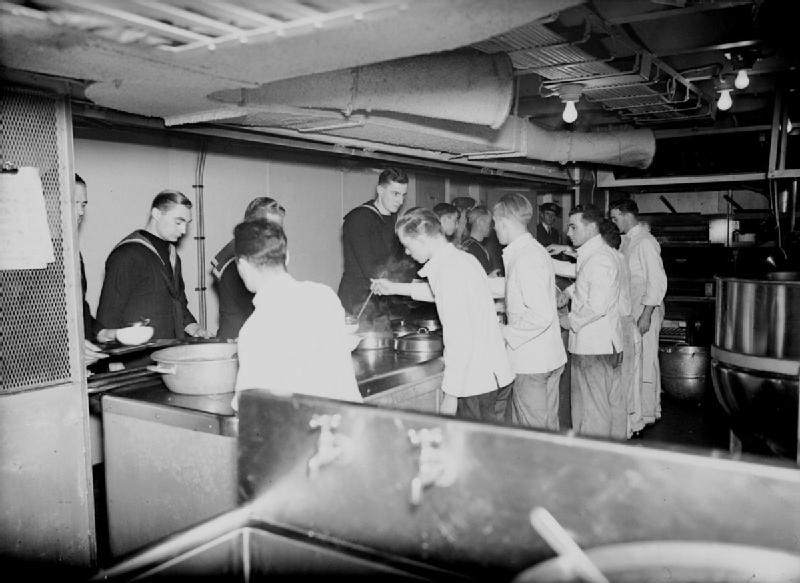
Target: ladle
[
  {"x": 361, "y": 311},
  {"x": 564, "y": 545}
]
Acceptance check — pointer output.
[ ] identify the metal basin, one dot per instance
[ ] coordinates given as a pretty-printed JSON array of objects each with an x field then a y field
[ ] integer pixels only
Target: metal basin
[
  {"x": 233, "y": 548},
  {"x": 674, "y": 561},
  {"x": 760, "y": 405},
  {"x": 198, "y": 369}
]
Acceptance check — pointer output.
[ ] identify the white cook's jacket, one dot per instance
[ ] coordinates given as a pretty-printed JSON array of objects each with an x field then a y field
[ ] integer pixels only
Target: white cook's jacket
[
  {"x": 648, "y": 278},
  {"x": 475, "y": 360},
  {"x": 533, "y": 334},
  {"x": 295, "y": 341},
  {"x": 594, "y": 316}
]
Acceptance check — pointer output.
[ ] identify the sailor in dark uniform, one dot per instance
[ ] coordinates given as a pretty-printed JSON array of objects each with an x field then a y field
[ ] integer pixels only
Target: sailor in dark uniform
[
  {"x": 546, "y": 233},
  {"x": 371, "y": 248},
  {"x": 235, "y": 300},
  {"x": 143, "y": 275},
  {"x": 479, "y": 224}
]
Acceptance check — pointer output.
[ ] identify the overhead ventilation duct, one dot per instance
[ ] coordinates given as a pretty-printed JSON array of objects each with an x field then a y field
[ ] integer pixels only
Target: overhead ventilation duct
[
  {"x": 465, "y": 87},
  {"x": 459, "y": 93},
  {"x": 634, "y": 148}
]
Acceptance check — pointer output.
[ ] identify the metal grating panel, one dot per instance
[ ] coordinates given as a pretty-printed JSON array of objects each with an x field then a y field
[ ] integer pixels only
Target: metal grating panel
[
  {"x": 34, "y": 344},
  {"x": 645, "y": 93},
  {"x": 185, "y": 25},
  {"x": 524, "y": 37}
]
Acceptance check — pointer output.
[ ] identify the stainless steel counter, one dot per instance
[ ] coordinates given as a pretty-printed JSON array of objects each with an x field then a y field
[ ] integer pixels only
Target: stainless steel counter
[
  {"x": 146, "y": 397},
  {"x": 170, "y": 459}
]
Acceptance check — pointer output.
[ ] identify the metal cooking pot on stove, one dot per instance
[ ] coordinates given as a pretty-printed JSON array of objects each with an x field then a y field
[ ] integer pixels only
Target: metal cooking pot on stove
[
  {"x": 198, "y": 369},
  {"x": 422, "y": 340},
  {"x": 375, "y": 340}
]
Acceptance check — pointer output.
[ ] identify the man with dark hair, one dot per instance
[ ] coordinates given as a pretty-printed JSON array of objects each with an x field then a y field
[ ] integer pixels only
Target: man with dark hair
[
  {"x": 448, "y": 216},
  {"x": 369, "y": 243},
  {"x": 475, "y": 363},
  {"x": 143, "y": 275},
  {"x": 546, "y": 233},
  {"x": 595, "y": 338},
  {"x": 294, "y": 323},
  {"x": 463, "y": 205},
  {"x": 631, "y": 338},
  {"x": 648, "y": 286},
  {"x": 235, "y": 300}
]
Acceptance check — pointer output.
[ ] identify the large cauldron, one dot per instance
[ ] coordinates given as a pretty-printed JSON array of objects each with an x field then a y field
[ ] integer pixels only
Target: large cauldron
[{"x": 756, "y": 359}]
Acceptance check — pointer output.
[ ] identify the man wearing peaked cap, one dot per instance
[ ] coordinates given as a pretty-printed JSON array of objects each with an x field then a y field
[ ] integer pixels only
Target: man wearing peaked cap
[{"x": 546, "y": 233}]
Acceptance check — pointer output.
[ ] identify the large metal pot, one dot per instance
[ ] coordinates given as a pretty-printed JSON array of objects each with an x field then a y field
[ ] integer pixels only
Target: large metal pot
[
  {"x": 198, "y": 369},
  {"x": 420, "y": 341},
  {"x": 684, "y": 370},
  {"x": 375, "y": 340},
  {"x": 758, "y": 317},
  {"x": 674, "y": 561},
  {"x": 756, "y": 359}
]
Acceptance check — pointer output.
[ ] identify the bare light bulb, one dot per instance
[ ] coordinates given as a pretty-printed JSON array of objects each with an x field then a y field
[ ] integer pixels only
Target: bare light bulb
[
  {"x": 742, "y": 80},
  {"x": 570, "y": 113},
  {"x": 724, "y": 102},
  {"x": 788, "y": 126}
]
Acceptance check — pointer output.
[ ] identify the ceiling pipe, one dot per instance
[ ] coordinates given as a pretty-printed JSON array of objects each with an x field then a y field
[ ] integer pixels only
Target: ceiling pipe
[
  {"x": 634, "y": 148},
  {"x": 464, "y": 87},
  {"x": 459, "y": 93}
]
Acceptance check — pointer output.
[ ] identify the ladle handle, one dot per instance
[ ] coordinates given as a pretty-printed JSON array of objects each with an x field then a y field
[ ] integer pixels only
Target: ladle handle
[
  {"x": 361, "y": 311},
  {"x": 563, "y": 544}
]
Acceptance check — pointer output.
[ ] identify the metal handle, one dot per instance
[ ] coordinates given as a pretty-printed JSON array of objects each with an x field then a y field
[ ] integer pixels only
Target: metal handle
[{"x": 162, "y": 368}]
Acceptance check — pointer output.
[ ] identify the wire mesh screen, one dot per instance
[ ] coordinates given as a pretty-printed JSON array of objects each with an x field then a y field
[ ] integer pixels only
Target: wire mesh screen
[{"x": 34, "y": 345}]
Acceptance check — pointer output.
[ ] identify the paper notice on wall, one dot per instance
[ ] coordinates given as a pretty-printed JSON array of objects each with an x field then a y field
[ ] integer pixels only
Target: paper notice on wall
[{"x": 25, "y": 241}]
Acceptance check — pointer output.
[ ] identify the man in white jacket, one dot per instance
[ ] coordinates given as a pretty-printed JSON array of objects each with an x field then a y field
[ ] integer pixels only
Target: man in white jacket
[
  {"x": 599, "y": 405},
  {"x": 475, "y": 361},
  {"x": 293, "y": 323},
  {"x": 533, "y": 334},
  {"x": 648, "y": 287}
]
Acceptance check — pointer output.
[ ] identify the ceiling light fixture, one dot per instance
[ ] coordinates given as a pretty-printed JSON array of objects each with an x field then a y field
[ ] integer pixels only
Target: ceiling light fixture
[
  {"x": 570, "y": 93},
  {"x": 725, "y": 100},
  {"x": 742, "y": 80},
  {"x": 723, "y": 87}
]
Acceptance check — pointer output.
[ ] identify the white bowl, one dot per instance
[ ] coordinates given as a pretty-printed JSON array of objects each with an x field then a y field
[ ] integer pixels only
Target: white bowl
[{"x": 133, "y": 335}]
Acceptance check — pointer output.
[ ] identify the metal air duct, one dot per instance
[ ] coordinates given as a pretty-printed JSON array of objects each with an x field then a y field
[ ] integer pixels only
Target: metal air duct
[{"x": 466, "y": 87}]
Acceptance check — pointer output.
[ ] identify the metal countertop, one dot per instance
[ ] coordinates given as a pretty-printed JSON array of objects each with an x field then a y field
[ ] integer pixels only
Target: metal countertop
[{"x": 143, "y": 395}]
